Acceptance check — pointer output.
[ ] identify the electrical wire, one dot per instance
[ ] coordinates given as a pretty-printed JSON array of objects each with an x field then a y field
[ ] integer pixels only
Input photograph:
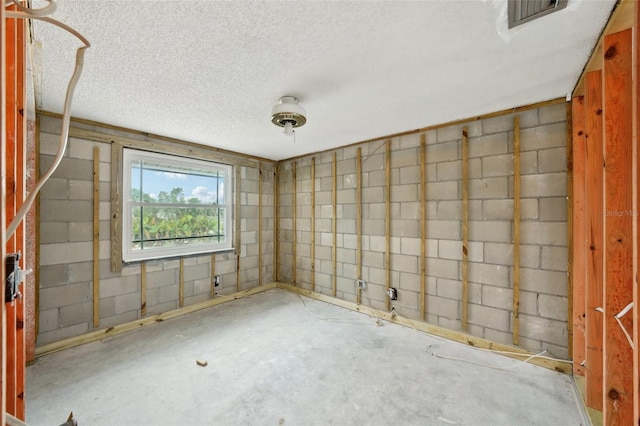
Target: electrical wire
[
  {"x": 355, "y": 318},
  {"x": 43, "y": 11},
  {"x": 509, "y": 367},
  {"x": 27, "y": 13}
]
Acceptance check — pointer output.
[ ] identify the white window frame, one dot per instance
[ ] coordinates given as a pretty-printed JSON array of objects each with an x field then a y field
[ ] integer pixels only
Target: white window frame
[{"x": 128, "y": 254}]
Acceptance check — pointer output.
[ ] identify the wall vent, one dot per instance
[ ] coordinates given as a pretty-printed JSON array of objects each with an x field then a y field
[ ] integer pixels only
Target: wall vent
[{"x": 522, "y": 11}]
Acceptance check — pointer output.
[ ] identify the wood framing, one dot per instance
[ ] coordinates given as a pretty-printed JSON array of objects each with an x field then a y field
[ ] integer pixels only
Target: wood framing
[
  {"x": 259, "y": 223},
  {"x": 465, "y": 229},
  {"x": 238, "y": 283},
  {"x": 144, "y": 322},
  {"x": 294, "y": 256},
  {"x": 595, "y": 271},
  {"x": 143, "y": 289},
  {"x": 276, "y": 220},
  {"x": 96, "y": 237},
  {"x": 116, "y": 208},
  {"x": 578, "y": 261},
  {"x": 570, "y": 248},
  {"x": 358, "y": 223},
  {"x": 313, "y": 224},
  {"x": 478, "y": 342},
  {"x": 334, "y": 227},
  {"x": 212, "y": 293},
  {"x": 423, "y": 227},
  {"x": 181, "y": 284},
  {"x": 387, "y": 226},
  {"x": 516, "y": 230},
  {"x": 619, "y": 279}
]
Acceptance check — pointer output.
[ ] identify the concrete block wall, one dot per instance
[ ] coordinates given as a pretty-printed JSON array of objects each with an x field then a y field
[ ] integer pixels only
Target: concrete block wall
[
  {"x": 543, "y": 258},
  {"x": 66, "y": 240}
]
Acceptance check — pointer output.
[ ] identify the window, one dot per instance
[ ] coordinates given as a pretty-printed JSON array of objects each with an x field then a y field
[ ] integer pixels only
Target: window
[{"x": 174, "y": 206}]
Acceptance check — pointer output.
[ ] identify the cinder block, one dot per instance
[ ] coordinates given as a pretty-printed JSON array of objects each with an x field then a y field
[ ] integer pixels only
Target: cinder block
[
  {"x": 80, "y": 231},
  {"x": 488, "y": 145},
  {"x": 52, "y": 254},
  {"x": 443, "y": 229},
  {"x": 62, "y": 333},
  {"x": 497, "y": 187},
  {"x": 497, "y": 165},
  {"x": 442, "y": 307},
  {"x": 410, "y": 210},
  {"x": 449, "y": 289},
  {"x": 127, "y": 302},
  {"x": 403, "y": 263},
  {"x": 552, "y": 160},
  {"x": 373, "y": 195},
  {"x": 553, "y": 209},
  {"x": 544, "y": 233},
  {"x": 528, "y": 303},
  {"x": 49, "y": 140},
  {"x": 410, "y": 174},
  {"x": 447, "y": 190},
  {"x": 119, "y": 286},
  {"x": 409, "y": 282},
  {"x": 541, "y": 137},
  {"x": 484, "y": 273},
  {"x": 499, "y": 124},
  {"x": 539, "y": 281},
  {"x": 404, "y": 228},
  {"x": 484, "y": 316},
  {"x": 54, "y": 232},
  {"x": 553, "y": 113},
  {"x": 555, "y": 258},
  {"x": 449, "y": 170},
  {"x": 55, "y": 189},
  {"x": 404, "y": 158},
  {"x": 344, "y": 167},
  {"x": 403, "y": 193},
  {"x": 65, "y": 295},
  {"x": 449, "y": 210},
  {"x": 53, "y": 275},
  {"x": 48, "y": 320},
  {"x": 490, "y": 231},
  {"x": 497, "y": 297},
  {"x": 373, "y": 227},
  {"x": 410, "y": 246},
  {"x": 545, "y": 330},
  {"x": 76, "y": 314},
  {"x": 443, "y": 268},
  {"x": 554, "y": 307},
  {"x": 442, "y": 152}
]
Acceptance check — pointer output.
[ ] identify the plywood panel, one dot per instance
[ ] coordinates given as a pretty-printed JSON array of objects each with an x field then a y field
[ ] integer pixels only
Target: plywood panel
[{"x": 618, "y": 353}]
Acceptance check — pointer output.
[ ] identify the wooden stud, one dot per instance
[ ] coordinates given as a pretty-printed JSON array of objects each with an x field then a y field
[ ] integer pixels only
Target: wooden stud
[
  {"x": 619, "y": 282},
  {"x": 181, "y": 286},
  {"x": 636, "y": 289},
  {"x": 516, "y": 230},
  {"x": 96, "y": 237},
  {"x": 237, "y": 245},
  {"x": 36, "y": 270},
  {"x": 259, "y": 223},
  {"x": 358, "y": 223},
  {"x": 294, "y": 260},
  {"x": 313, "y": 224},
  {"x": 334, "y": 225},
  {"x": 595, "y": 271},
  {"x": 570, "y": 248},
  {"x": 212, "y": 293},
  {"x": 387, "y": 232},
  {"x": 423, "y": 227},
  {"x": 237, "y": 272},
  {"x": 276, "y": 220},
  {"x": 143, "y": 289},
  {"x": 477, "y": 342},
  {"x": 3, "y": 220},
  {"x": 465, "y": 228},
  {"x": 578, "y": 261},
  {"x": 116, "y": 208},
  {"x": 144, "y": 322}
]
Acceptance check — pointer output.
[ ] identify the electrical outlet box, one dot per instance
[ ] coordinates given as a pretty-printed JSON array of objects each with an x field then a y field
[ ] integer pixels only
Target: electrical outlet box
[
  {"x": 393, "y": 293},
  {"x": 361, "y": 284},
  {"x": 217, "y": 279}
]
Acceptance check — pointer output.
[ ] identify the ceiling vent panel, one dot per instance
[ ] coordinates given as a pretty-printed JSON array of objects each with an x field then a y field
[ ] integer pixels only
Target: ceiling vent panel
[{"x": 522, "y": 11}]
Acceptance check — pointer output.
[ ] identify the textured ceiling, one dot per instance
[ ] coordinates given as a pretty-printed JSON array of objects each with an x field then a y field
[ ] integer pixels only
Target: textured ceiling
[{"x": 209, "y": 71}]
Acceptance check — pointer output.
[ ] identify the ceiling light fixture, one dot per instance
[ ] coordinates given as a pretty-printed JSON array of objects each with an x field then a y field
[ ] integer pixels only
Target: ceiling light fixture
[{"x": 289, "y": 114}]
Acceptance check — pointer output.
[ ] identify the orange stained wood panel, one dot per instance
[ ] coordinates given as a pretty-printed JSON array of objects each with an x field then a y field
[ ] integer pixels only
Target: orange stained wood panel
[
  {"x": 10, "y": 203},
  {"x": 580, "y": 245},
  {"x": 618, "y": 291},
  {"x": 594, "y": 202},
  {"x": 636, "y": 288},
  {"x": 3, "y": 385}
]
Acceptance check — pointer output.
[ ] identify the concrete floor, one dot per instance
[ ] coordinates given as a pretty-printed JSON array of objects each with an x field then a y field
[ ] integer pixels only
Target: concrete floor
[{"x": 272, "y": 360}]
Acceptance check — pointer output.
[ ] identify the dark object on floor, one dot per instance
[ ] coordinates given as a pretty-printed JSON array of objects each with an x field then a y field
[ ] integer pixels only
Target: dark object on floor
[{"x": 70, "y": 421}]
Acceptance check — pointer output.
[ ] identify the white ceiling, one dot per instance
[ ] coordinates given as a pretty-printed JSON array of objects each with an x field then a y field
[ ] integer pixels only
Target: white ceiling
[{"x": 210, "y": 71}]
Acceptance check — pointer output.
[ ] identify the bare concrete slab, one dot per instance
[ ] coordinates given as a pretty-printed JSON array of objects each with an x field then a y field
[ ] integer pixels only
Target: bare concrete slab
[{"x": 272, "y": 359}]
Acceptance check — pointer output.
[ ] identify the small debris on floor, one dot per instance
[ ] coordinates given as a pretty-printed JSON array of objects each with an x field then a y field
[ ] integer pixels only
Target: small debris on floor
[
  {"x": 281, "y": 421},
  {"x": 201, "y": 362}
]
